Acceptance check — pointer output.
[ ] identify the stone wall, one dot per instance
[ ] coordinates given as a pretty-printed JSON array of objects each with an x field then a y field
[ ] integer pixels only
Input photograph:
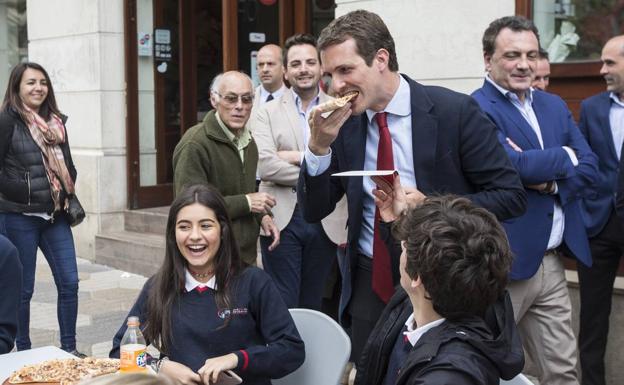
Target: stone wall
[
  {"x": 437, "y": 43},
  {"x": 80, "y": 43}
]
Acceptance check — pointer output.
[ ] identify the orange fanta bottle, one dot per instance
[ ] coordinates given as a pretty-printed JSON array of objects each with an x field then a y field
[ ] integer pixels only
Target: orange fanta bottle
[{"x": 132, "y": 349}]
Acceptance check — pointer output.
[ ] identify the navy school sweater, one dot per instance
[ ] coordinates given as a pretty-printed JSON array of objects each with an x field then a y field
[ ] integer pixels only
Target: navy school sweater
[{"x": 261, "y": 331}]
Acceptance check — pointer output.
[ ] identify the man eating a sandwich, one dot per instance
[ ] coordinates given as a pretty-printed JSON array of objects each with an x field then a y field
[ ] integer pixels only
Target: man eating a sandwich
[{"x": 438, "y": 140}]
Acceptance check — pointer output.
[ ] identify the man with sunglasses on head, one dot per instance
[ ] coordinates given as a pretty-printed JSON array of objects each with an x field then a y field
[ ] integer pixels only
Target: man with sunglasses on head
[{"x": 220, "y": 151}]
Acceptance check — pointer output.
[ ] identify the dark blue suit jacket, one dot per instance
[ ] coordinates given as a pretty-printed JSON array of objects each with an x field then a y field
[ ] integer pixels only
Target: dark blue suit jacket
[
  {"x": 455, "y": 151},
  {"x": 528, "y": 235},
  {"x": 10, "y": 287},
  {"x": 595, "y": 126}
]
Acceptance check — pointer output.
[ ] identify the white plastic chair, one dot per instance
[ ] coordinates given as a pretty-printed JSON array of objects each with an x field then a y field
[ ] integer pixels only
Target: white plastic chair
[
  {"x": 520, "y": 379},
  {"x": 327, "y": 350}
]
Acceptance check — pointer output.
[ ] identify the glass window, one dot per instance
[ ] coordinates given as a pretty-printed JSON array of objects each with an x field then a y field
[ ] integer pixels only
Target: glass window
[
  {"x": 13, "y": 38},
  {"x": 258, "y": 24},
  {"x": 323, "y": 12},
  {"x": 576, "y": 30}
]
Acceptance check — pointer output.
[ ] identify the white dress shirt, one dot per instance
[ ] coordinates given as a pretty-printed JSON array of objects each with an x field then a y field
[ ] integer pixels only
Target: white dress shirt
[
  {"x": 616, "y": 121},
  {"x": 264, "y": 94},
  {"x": 303, "y": 119},
  {"x": 399, "y": 119},
  {"x": 413, "y": 335}
]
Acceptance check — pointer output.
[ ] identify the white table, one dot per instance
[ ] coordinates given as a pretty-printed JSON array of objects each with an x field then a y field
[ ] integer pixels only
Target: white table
[{"x": 12, "y": 361}]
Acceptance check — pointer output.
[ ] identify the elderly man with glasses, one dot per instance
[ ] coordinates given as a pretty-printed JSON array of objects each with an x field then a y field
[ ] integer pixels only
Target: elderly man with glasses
[{"x": 220, "y": 151}]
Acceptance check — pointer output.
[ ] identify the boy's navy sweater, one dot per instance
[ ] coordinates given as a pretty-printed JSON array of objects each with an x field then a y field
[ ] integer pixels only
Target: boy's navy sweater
[{"x": 261, "y": 331}]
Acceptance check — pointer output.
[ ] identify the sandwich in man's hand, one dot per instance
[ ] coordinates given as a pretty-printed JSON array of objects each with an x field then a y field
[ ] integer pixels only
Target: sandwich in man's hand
[{"x": 331, "y": 105}]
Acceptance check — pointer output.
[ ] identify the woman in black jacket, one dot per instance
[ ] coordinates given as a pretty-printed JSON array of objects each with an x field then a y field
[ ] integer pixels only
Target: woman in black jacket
[{"x": 36, "y": 177}]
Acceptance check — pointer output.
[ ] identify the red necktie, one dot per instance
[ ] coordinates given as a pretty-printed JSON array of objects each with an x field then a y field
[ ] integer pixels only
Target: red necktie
[
  {"x": 201, "y": 289},
  {"x": 382, "y": 270}
]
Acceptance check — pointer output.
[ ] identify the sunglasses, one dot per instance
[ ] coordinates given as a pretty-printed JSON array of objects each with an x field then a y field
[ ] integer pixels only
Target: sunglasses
[{"x": 232, "y": 99}]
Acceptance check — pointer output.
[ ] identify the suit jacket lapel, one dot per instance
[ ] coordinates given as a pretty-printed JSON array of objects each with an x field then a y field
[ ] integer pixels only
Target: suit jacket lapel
[
  {"x": 355, "y": 137},
  {"x": 424, "y": 136},
  {"x": 358, "y": 140},
  {"x": 603, "y": 122},
  {"x": 292, "y": 114},
  {"x": 512, "y": 113},
  {"x": 256, "y": 101},
  {"x": 543, "y": 119}
]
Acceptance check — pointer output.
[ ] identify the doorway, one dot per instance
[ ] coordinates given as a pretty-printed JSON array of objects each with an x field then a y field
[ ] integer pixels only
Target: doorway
[{"x": 174, "y": 48}]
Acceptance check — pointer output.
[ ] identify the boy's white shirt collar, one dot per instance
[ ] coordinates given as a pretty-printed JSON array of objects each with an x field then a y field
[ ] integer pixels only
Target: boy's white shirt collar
[{"x": 413, "y": 335}]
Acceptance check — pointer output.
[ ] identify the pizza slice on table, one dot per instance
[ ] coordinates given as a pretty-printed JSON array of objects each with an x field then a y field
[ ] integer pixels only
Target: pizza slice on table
[{"x": 64, "y": 371}]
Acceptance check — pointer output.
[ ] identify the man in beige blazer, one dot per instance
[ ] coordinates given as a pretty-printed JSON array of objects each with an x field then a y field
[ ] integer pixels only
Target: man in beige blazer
[{"x": 300, "y": 265}]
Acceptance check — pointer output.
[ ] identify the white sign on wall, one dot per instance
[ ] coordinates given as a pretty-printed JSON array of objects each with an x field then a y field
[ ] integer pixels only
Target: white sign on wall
[
  {"x": 162, "y": 36},
  {"x": 144, "y": 44},
  {"x": 257, "y": 37}
]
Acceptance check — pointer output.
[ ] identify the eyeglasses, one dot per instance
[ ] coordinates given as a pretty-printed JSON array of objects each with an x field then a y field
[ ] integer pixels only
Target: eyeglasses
[{"x": 232, "y": 99}]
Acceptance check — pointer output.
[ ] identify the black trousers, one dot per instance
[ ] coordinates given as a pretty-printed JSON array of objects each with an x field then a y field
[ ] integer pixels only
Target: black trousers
[
  {"x": 596, "y": 290},
  {"x": 365, "y": 306}
]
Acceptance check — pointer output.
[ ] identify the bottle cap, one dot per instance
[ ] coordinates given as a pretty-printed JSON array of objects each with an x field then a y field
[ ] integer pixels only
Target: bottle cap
[{"x": 133, "y": 321}]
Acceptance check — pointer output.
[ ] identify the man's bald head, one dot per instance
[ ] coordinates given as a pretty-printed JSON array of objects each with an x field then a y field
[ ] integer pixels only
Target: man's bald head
[
  {"x": 231, "y": 76},
  {"x": 272, "y": 49},
  {"x": 613, "y": 65},
  {"x": 270, "y": 68},
  {"x": 617, "y": 43},
  {"x": 231, "y": 94}
]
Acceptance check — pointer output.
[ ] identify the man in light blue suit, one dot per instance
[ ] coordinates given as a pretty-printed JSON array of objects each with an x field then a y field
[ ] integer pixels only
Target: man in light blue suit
[
  {"x": 602, "y": 123},
  {"x": 556, "y": 166}
]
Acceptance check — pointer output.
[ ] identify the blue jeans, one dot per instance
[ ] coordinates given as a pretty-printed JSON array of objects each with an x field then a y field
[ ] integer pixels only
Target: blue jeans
[
  {"x": 56, "y": 242},
  {"x": 301, "y": 263}
]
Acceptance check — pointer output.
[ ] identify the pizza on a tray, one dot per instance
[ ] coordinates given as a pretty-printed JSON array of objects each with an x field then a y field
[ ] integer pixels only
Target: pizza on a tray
[{"x": 68, "y": 371}]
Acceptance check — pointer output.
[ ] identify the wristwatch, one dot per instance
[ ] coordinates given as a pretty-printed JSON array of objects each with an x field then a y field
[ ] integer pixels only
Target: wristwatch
[{"x": 155, "y": 364}]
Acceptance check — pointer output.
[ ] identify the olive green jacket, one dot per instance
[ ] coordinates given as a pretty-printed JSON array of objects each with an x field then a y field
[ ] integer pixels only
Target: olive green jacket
[{"x": 206, "y": 155}]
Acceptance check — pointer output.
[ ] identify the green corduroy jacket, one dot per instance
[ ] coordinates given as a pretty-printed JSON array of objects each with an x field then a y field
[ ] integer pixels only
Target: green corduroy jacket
[{"x": 206, "y": 155}]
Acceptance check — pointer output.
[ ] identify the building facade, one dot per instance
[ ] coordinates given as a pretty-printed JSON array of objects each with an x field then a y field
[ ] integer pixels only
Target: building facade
[{"x": 133, "y": 75}]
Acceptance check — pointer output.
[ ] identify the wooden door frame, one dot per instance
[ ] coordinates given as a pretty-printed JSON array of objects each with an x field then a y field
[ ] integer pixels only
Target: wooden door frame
[
  {"x": 294, "y": 17},
  {"x": 138, "y": 196},
  {"x": 188, "y": 65},
  {"x": 160, "y": 116}
]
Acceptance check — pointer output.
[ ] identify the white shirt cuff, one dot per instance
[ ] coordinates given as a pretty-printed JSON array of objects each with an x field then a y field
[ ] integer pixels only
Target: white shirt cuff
[
  {"x": 248, "y": 202},
  {"x": 316, "y": 165},
  {"x": 572, "y": 155}
]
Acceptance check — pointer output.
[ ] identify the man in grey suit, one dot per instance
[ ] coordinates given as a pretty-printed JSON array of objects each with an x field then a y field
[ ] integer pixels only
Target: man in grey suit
[{"x": 301, "y": 263}]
